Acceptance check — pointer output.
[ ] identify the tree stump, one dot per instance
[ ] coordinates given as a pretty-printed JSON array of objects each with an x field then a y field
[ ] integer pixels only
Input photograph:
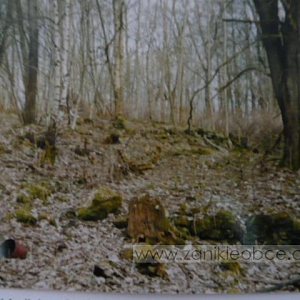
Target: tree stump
[{"x": 148, "y": 223}]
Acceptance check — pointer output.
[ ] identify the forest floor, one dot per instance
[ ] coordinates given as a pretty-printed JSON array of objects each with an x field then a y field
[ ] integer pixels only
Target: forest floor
[{"x": 170, "y": 165}]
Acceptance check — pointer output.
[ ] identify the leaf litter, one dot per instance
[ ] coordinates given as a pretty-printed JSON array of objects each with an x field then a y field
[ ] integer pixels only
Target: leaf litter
[{"x": 63, "y": 254}]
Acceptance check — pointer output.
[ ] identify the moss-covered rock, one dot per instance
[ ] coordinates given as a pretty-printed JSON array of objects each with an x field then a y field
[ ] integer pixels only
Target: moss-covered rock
[
  {"x": 24, "y": 216},
  {"x": 220, "y": 227},
  {"x": 105, "y": 201},
  {"x": 273, "y": 229}
]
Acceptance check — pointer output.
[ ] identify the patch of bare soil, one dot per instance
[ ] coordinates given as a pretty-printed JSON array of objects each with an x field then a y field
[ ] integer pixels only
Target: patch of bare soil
[{"x": 183, "y": 171}]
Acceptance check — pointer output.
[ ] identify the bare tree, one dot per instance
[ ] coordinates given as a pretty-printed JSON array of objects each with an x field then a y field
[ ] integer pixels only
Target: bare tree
[{"x": 281, "y": 40}]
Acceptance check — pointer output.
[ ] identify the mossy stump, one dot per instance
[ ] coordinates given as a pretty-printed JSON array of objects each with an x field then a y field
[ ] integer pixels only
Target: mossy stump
[{"x": 148, "y": 223}]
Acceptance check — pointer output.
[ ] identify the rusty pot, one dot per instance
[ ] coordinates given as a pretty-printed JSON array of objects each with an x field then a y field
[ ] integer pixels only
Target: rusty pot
[{"x": 12, "y": 249}]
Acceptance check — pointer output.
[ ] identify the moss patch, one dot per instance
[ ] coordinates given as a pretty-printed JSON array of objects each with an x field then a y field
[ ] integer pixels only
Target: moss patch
[
  {"x": 201, "y": 151},
  {"x": 35, "y": 191},
  {"x": 4, "y": 148},
  {"x": 181, "y": 221},
  {"x": 24, "y": 216},
  {"x": 119, "y": 123},
  {"x": 105, "y": 201},
  {"x": 231, "y": 266},
  {"x": 44, "y": 216},
  {"x": 24, "y": 199}
]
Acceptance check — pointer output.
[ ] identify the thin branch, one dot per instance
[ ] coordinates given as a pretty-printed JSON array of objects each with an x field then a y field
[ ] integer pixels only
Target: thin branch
[
  {"x": 222, "y": 88},
  {"x": 242, "y": 21}
]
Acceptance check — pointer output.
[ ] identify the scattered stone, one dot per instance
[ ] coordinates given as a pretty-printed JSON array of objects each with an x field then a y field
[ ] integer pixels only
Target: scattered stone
[
  {"x": 121, "y": 222},
  {"x": 99, "y": 272}
]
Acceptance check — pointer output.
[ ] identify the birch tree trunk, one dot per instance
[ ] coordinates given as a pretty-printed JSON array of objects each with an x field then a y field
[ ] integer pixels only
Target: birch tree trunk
[
  {"x": 57, "y": 75},
  {"x": 65, "y": 38},
  {"x": 208, "y": 100},
  {"x": 137, "y": 63}
]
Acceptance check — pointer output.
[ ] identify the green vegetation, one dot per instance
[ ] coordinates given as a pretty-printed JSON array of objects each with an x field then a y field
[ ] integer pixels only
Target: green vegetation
[
  {"x": 24, "y": 199},
  {"x": 105, "y": 201},
  {"x": 34, "y": 191},
  {"x": 4, "y": 148},
  {"x": 219, "y": 227},
  {"x": 120, "y": 123},
  {"x": 44, "y": 216},
  {"x": 24, "y": 216}
]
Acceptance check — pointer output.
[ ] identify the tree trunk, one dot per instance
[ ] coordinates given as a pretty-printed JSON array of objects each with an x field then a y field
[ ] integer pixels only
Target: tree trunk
[
  {"x": 282, "y": 43},
  {"x": 65, "y": 53},
  {"x": 119, "y": 11},
  {"x": 29, "y": 113},
  {"x": 147, "y": 222},
  {"x": 137, "y": 70},
  {"x": 57, "y": 74}
]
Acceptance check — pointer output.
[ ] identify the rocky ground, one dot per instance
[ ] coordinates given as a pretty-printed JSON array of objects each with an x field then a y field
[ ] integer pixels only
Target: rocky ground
[{"x": 187, "y": 172}]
